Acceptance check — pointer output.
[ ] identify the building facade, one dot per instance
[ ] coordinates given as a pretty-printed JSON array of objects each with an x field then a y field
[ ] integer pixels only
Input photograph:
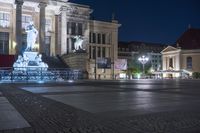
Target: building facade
[
  {"x": 180, "y": 63},
  {"x": 182, "y": 59},
  {"x": 133, "y": 50},
  {"x": 58, "y": 23},
  {"x": 103, "y": 43}
]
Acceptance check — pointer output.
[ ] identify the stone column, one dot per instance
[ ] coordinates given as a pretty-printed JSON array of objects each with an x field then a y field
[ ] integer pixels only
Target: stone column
[
  {"x": 163, "y": 62},
  {"x": 18, "y": 26},
  {"x": 42, "y": 6},
  {"x": 63, "y": 30},
  {"x": 70, "y": 42}
]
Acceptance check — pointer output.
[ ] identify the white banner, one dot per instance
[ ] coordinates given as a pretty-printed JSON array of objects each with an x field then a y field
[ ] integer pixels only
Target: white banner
[{"x": 121, "y": 64}]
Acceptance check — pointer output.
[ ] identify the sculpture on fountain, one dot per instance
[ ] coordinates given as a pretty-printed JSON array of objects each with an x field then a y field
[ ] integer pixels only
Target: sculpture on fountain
[
  {"x": 31, "y": 36},
  {"x": 19, "y": 63},
  {"x": 39, "y": 62},
  {"x": 30, "y": 60}
]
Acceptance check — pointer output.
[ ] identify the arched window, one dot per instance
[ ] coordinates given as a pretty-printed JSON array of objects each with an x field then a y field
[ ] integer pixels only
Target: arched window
[{"x": 189, "y": 62}]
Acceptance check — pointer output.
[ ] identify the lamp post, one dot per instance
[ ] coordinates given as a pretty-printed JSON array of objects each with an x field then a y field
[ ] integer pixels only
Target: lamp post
[{"x": 143, "y": 60}]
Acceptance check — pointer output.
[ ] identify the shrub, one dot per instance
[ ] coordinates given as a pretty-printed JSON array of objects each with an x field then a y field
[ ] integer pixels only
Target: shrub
[{"x": 196, "y": 75}]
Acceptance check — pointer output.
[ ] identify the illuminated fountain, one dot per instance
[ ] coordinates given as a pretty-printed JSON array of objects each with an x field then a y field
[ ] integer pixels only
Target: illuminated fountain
[
  {"x": 30, "y": 64},
  {"x": 30, "y": 67},
  {"x": 30, "y": 60}
]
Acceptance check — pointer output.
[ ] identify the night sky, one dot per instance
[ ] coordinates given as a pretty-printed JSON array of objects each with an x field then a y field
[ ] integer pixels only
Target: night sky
[{"x": 158, "y": 21}]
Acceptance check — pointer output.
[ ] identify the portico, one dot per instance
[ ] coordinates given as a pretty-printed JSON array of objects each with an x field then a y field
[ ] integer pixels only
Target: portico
[{"x": 179, "y": 62}]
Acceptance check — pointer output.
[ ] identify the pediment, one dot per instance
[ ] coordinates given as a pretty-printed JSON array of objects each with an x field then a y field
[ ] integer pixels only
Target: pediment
[{"x": 168, "y": 49}]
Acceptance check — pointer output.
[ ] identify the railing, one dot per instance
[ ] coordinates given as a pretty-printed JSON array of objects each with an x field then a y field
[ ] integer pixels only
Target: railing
[{"x": 39, "y": 74}]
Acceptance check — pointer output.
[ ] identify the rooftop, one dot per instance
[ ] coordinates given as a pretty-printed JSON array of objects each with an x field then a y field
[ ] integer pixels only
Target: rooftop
[{"x": 190, "y": 39}]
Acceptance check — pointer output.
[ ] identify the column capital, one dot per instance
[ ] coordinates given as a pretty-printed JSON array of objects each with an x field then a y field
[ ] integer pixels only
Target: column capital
[
  {"x": 19, "y": 2},
  {"x": 42, "y": 5}
]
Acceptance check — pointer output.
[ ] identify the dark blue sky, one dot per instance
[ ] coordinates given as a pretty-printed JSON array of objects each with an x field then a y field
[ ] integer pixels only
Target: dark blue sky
[{"x": 161, "y": 21}]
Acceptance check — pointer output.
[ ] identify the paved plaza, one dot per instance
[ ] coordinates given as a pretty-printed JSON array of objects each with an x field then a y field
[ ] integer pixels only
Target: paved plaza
[{"x": 134, "y": 106}]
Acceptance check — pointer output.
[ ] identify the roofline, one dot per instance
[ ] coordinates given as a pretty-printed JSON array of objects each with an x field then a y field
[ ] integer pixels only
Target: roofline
[
  {"x": 80, "y": 5},
  {"x": 168, "y": 47},
  {"x": 151, "y": 43},
  {"x": 105, "y": 22}
]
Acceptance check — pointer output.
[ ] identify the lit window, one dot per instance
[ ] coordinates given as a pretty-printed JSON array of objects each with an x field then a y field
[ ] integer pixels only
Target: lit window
[
  {"x": 103, "y": 70},
  {"x": 4, "y": 19},
  {"x": 4, "y": 43},
  {"x": 189, "y": 62}
]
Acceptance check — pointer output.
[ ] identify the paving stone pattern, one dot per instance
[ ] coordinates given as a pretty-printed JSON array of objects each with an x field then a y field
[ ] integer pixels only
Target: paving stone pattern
[
  {"x": 48, "y": 116},
  {"x": 168, "y": 122}
]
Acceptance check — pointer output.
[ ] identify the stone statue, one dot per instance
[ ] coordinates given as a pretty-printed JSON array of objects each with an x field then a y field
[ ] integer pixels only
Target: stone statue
[
  {"x": 25, "y": 60},
  {"x": 19, "y": 63},
  {"x": 31, "y": 36},
  {"x": 78, "y": 42},
  {"x": 38, "y": 60}
]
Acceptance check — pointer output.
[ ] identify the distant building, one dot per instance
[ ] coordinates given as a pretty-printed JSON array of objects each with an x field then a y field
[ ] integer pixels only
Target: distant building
[
  {"x": 182, "y": 59},
  {"x": 58, "y": 22},
  {"x": 133, "y": 50},
  {"x": 103, "y": 40}
]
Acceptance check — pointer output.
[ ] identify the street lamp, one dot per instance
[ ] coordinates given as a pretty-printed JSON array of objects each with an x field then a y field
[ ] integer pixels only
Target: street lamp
[{"x": 143, "y": 60}]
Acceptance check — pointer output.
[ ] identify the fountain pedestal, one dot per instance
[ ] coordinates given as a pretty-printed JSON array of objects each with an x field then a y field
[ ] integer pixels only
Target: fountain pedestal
[
  {"x": 30, "y": 55},
  {"x": 30, "y": 61}
]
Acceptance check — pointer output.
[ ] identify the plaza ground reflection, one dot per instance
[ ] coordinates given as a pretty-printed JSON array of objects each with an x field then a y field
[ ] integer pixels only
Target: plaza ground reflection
[{"x": 135, "y": 96}]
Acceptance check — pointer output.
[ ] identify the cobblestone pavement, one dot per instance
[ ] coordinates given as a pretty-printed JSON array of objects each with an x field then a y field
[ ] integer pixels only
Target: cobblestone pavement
[
  {"x": 168, "y": 122},
  {"x": 49, "y": 116}
]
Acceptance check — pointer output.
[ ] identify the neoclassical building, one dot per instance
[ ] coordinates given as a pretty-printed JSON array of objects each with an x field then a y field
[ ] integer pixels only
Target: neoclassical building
[
  {"x": 58, "y": 22},
  {"x": 182, "y": 59}
]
